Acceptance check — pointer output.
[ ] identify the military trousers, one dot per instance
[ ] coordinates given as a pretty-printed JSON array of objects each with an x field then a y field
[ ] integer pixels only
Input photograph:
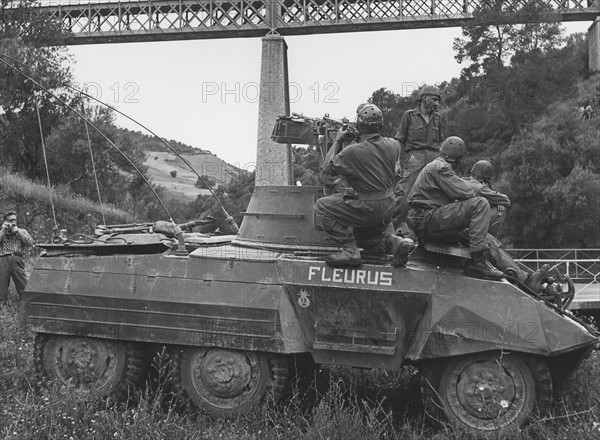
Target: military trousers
[
  {"x": 343, "y": 216},
  {"x": 465, "y": 220},
  {"x": 12, "y": 266},
  {"x": 411, "y": 167},
  {"x": 496, "y": 220},
  {"x": 502, "y": 259}
]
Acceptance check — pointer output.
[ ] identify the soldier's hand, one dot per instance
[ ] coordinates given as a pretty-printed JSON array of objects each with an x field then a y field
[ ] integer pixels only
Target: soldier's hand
[
  {"x": 501, "y": 208},
  {"x": 342, "y": 134}
]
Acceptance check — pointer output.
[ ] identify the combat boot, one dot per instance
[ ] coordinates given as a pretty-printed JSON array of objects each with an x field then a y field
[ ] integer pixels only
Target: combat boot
[
  {"x": 479, "y": 267},
  {"x": 400, "y": 248},
  {"x": 535, "y": 279},
  {"x": 349, "y": 255}
]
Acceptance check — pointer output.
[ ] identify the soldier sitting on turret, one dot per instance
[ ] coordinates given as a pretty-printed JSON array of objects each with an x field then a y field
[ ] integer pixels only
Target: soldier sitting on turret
[
  {"x": 366, "y": 205},
  {"x": 444, "y": 207}
]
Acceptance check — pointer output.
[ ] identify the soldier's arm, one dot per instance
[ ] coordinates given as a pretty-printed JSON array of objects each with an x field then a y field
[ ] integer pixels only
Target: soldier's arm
[
  {"x": 452, "y": 185},
  {"x": 494, "y": 197},
  {"x": 340, "y": 164}
]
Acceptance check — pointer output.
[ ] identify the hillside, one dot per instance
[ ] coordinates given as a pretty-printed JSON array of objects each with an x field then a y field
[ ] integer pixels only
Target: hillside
[
  {"x": 161, "y": 162},
  {"x": 182, "y": 186}
]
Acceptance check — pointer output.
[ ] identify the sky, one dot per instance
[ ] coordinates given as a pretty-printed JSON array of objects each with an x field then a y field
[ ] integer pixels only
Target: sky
[{"x": 205, "y": 92}]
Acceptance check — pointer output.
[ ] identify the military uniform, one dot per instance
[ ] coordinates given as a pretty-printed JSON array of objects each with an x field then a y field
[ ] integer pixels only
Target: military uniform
[
  {"x": 420, "y": 144},
  {"x": 368, "y": 203},
  {"x": 494, "y": 198},
  {"x": 443, "y": 206}
]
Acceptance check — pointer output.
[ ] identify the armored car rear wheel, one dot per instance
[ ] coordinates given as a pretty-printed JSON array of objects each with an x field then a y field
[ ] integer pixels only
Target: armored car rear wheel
[
  {"x": 488, "y": 394},
  {"x": 90, "y": 366},
  {"x": 226, "y": 383}
]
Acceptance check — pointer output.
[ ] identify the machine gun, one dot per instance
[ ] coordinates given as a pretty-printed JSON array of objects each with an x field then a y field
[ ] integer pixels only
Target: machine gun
[{"x": 318, "y": 132}]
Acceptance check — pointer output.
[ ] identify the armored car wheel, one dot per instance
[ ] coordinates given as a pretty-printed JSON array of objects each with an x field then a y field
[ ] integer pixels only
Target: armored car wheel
[
  {"x": 226, "y": 383},
  {"x": 98, "y": 367},
  {"x": 487, "y": 394}
]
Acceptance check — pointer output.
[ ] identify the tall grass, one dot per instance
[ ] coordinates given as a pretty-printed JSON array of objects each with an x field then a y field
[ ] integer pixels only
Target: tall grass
[
  {"x": 358, "y": 405},
  {"x": 63, "y": 199}
]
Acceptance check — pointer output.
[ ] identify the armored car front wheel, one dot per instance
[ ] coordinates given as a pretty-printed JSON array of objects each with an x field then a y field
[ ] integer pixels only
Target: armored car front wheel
[
  {"x": 488, "y": 394},
  {"x": 226, "y": 383},
  {"x": 90, "y": 366}
]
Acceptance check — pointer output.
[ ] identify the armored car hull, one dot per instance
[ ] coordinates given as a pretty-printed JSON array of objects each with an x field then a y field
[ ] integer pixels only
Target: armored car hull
[{"x": 235, "y": 313}]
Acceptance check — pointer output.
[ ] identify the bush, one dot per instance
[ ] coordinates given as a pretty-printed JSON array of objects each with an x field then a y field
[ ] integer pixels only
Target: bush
[{"x": 173, "y": 173}]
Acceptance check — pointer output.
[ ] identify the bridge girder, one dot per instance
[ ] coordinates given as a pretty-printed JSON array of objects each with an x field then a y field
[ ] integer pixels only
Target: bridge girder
[{"x": 166, "y": 20}]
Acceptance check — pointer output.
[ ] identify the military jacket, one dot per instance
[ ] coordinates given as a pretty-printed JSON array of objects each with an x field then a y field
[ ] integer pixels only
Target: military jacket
[
  {"x": 368, "y": 164},
  {"x": 416, "y": 134},
  {"x": 482, "y": 190},
  {"x": 437, "y": 185}
]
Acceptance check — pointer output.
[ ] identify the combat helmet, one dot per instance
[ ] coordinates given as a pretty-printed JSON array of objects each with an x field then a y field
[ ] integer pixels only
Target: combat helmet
[
  {"x": 453, "y": 147},
  {"x": 482, "y": 170},
  {"x": 369, "y": 115},
  {"x": 429, "y": 90}
]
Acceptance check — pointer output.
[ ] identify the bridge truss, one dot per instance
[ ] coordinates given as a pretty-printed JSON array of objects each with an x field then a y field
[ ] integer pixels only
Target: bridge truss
[{"x": 162, "y": 20}]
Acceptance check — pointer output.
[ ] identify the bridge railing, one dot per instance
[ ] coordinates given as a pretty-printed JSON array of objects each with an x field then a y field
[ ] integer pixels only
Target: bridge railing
[
  {"x": 582, "y": 265},
  {"x": 93, "y": 21}
]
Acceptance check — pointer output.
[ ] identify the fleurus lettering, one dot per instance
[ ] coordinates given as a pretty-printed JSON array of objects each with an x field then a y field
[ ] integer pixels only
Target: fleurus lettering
[{"x": 349, "y": 276}]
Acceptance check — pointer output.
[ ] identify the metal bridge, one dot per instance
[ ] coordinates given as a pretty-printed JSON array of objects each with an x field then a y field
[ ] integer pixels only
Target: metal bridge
[{"x": 162, "y": 20}]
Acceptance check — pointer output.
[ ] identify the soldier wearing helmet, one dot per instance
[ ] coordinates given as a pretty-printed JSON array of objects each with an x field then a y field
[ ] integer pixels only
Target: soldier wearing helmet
[
  {"x": 420, "y": 135},
  {"x": 444, "y": 207},
  {"x": 363, "y": 210},
  {"x": 479, "y": 181}
]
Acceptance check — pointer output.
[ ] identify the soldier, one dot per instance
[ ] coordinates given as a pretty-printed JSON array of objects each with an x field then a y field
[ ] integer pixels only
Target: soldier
[
  {"x": 14, "y": 241},
  {"x": 481, "y": 173},
  {"x": 420, "y": 136},
  {"x": 444, "y": 206},
  {"x": 366, "y": 205},
  {"x": 479, "y": 181}
]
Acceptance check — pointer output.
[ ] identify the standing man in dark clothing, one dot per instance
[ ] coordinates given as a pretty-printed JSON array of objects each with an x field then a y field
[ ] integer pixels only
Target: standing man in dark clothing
[
  {"x": 420, "y": 136},
  {"x": 14, "y": 241},
  {"x": 366, "y": 205},
  {"x": 444, "y": 206}
]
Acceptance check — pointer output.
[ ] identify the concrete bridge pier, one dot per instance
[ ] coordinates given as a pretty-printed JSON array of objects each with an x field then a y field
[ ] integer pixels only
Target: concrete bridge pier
[
  {"x": 594, "y": 45},
  {"x": 273, "y": 161}
]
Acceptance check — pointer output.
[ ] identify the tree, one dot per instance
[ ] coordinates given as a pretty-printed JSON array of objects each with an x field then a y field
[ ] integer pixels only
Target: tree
[
  {"x": 234, "y": 197},
  {"x": 552, "y": 176},
  {"x": 70, "y": 161},
  {"x": 393, "y": 107},
  {"x": 575, "y": 204},
  {"x": 490, "y": 41},
  {"x": 205, "y": 182},
  {"x": 306, "y": 165},
  {"x": 515, "y": 70},
  {"x": 23, "y": 36}
]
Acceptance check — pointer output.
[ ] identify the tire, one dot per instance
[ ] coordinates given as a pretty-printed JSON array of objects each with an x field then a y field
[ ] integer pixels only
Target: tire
[
  {"x": 226, "y": 383},
  {"x": 487, "y": 394},
  {"x": 96, "y": 367}
]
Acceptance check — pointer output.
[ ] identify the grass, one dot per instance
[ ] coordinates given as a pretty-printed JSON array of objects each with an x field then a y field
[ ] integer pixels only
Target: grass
[
  {"x": 358, "y": 405},
  {"x": 19, "y": 186}
]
